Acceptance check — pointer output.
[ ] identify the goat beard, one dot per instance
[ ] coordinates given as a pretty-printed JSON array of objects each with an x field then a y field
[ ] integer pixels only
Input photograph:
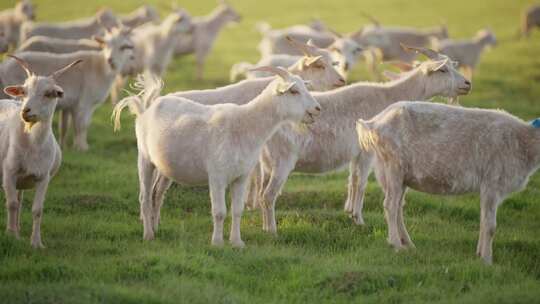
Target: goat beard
[{"x": 28, "y": 126}]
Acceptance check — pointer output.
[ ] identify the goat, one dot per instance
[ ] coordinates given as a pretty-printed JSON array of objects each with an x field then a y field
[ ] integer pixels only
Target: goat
[
  {"x": 29, "y": 153},
  {"x": 448, "y": 150},
  {"x": 215, "y": 147}
]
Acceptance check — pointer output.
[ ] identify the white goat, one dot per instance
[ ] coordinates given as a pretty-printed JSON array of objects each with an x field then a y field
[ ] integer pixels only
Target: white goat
[
  {"x": 78, "y": 29},
  {"x": 154, "y": 46},
  {"x": 86, "y": 86},
  {"x": 204, "y": 33},
  {"x": 447, "y": 150},
  {"x": 530, "y": 19},
  {"x": 214, "y": 147},
  {"x": 140, "y": 16},
  {"x": 29, "y": 153},
  {"x": 344, "y": 50},
  {"x": 314, "y": 57},
  {"x": 57, "y": 45},
  {"x": 12, "y": 19},
  {"x": 332, "y": 143},
  {"x": 466, "y": 52}
]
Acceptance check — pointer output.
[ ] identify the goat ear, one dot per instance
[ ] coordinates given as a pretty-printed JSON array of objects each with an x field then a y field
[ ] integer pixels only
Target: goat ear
[
  {"x": 59, "y": 91},
  {"x": 391, "y": 75},
  {"x": 14, "y": 91},
  {"x": 434, "y": 66},
  {"x": 283, "y": 87},
  {"x": 309, "y": 61}
]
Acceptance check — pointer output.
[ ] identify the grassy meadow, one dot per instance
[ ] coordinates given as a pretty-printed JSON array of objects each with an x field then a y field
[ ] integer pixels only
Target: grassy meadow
[{"x": 95, "y": 252}]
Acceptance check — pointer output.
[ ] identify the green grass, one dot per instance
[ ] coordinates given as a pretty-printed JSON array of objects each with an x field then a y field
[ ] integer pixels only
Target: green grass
[{"x": 95, "y": 251}]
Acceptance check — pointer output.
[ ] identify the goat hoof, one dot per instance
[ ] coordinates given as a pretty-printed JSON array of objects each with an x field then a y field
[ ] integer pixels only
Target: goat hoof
[
  {"x": 38, "y": 245},
  {"x": 217, "y": 243},
  {"x": 238, "y": 244},
  {"x": 358, "y": 220},
  {"x": 13, "y": 233},
  {"x": 148, "y": 236}
]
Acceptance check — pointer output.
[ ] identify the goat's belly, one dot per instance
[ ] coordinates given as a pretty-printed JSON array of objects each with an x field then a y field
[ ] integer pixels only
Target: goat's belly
[
  {"x": 441, "y": 185},
  {"x": 183, "y": 171}
]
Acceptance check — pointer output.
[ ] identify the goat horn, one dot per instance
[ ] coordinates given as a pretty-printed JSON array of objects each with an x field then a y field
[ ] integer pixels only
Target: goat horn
[
  {"x": 279, "y": 71},
  {"x": 23, "y": 64},
  {"x": 431, "y": 54},
  {"x": 304, "y": 48},
  {"x": 57, "y": 74}
]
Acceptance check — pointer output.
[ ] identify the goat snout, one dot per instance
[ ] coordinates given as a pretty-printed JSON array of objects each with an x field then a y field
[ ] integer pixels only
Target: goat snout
[
  {"x": 26, "y": 116},
  {"x": 341, "y": 82},
  {"x": 466, "y": 88}
]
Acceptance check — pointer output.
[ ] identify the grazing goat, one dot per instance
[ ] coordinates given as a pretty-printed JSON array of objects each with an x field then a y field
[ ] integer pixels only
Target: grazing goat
[
  {"x": 154, "y": 46},
  {"x": 332, "y": 143},
  {"x": 449, "y": 150},
  {"x": 530, "y": 19},
  {"x": 12, "y": 19},
  {"x": 140, "y": 16},
  {"x": 204, "y": 33},
  {"x": 86, "y": 86},
  {"x": 183, "y": 141},
  {"x": 29, "y": 153},
  {"x": 57, "y": 45},
  {"x": 466, "y": 52},
  {"x": 85, "y": 28}
]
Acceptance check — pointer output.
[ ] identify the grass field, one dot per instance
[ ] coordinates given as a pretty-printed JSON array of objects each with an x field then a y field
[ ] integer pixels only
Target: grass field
[{"x": 95, "y": 252}]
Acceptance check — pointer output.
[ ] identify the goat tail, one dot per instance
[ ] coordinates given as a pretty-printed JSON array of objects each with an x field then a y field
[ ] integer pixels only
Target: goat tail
[
  {"x": 149, "y": 86},
  {"x": 263, "y": 27},
  {"x": 367, "y": 137}
]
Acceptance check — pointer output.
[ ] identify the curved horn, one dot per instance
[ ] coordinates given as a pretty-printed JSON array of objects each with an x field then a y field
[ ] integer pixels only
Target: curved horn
[
  {"x": 279, "y": 71},
  {"x": 333, "y": 32},
  {"x": 304, "y": 48},
  {"x": 370, "y": 18},
  {"x": 23, "y": 64},
  {"x": 431, "y": 54},
  {"x": 57, "y": 74}
]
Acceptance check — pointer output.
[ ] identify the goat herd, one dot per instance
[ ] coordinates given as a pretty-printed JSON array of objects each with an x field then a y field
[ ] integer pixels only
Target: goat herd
[{"x": 293, "y": 112}]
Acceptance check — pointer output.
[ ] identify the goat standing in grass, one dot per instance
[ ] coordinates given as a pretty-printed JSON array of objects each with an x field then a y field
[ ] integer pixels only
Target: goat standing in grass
[
  {"x": 183, "y": 141},
  {"x": 204, "y": 34},
  {"x": 331, "y": 142},
  {"x": 29, "y": 153},
  {"x": 466, "y": 52},
  {"x": 449, "y": 150}
]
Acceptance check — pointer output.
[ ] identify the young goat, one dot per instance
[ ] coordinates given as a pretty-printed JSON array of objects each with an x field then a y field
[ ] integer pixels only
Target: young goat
[
  {"x": 29, "y": 153},
  {"x": 204, "y": 33},
  {"x": 140, "y": 16},
  {"x": 466, "y": 52},
  {"x": 332, "y": 143},
  {"x": 448, "y": 150},
  {"x": 12, "y": 19},
  {"x": 183, "y": 141},
  {"x": 78, "y": 29},
  {"x": 86, "y": 86}
]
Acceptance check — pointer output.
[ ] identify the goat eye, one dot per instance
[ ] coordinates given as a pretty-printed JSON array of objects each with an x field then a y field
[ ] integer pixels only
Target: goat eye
[
  {"x": 294, "y": 91},
  {"x": 335, "y": 63},
  {"x": 126, "y": 47}
]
